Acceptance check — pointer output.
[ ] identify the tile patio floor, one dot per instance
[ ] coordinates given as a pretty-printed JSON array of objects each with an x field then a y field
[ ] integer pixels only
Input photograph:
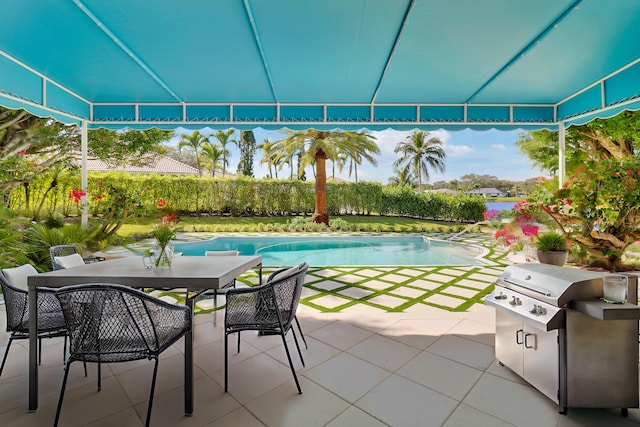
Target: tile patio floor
[{"x": 387, "y": 346}]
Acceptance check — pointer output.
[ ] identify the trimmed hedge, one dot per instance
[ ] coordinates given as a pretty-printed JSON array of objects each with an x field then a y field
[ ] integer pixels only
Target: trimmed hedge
[
  {"x": 405, "y": 201},
  {"x": 247, "y": 196}
]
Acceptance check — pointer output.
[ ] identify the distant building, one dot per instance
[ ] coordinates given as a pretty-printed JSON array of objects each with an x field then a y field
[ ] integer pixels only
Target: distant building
[
  {"x": 488, "y": 192},
  {"x": 157, "y": 164}
]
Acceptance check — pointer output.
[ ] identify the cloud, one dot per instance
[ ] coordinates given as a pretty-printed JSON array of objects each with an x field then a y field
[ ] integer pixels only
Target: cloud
[
  {"x": 458, "y": 150},
  {"x": 499, "y": 146}
]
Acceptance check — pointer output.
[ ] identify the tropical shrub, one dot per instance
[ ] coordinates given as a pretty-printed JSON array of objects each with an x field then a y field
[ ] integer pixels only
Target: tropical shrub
[{"x": 598, "y": 208}]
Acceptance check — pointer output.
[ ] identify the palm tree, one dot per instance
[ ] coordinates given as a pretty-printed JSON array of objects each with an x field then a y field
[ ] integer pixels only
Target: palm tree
[
  {"x": 419, "y": 153},
  {"x": 195, "y": 141},
  {"x": 316, "y": 146},
  {"x": 213, "y": 153},
  {"x": 365, "y": 148},
  {"x": 269, "y": 157},
  {"x": 223, "y": 136},
  {"x": 402, "y": 177},
  {"x": 339, "y": 160}
]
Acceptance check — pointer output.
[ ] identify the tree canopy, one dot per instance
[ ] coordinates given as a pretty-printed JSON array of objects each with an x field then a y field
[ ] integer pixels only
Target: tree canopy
[
  {"x": 31, "y": 144},
  {"x": 418, "y": 153},
  {"x": 314, "y": 147},
  {"x": 599, "y": 206}
]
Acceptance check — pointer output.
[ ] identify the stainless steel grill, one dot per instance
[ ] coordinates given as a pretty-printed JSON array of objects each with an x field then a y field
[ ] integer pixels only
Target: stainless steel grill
[{"x": 554, "y": 330}]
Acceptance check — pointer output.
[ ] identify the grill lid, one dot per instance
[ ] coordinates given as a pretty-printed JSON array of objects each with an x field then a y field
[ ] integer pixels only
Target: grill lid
[{"x": 552, "y": 284}]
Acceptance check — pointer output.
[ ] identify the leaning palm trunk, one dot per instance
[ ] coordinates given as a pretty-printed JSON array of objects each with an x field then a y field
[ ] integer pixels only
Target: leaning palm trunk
[{"x": 320, "y": 214}]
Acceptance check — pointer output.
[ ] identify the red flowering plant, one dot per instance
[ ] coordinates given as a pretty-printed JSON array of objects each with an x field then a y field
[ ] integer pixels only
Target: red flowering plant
[
  {"x": 76, "y": 195},
  {"x": 598, "y": 208}
]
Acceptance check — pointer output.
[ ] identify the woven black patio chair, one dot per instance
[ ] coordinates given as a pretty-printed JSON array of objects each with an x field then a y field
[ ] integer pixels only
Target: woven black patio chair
[
  {"x": 279, "y": 273},
  {"x": 65, "y": 256},
  {"x": 50, "y": 319},
  {"x": 269, "y": 308},
  {"x": 114, "y": 323}
]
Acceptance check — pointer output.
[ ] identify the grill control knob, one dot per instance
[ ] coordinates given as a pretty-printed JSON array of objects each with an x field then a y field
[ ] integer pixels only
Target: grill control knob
[
  {"x": 501, "y": 296},
  {"x": 515, "y": 301},
  {"x": 538, "y": 310}
]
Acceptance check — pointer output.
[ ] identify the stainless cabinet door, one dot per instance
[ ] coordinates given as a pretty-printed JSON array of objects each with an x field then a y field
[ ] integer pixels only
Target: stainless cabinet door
[
  {"x": 509, "y": 340},
  {"x": 541, "y": 353}
]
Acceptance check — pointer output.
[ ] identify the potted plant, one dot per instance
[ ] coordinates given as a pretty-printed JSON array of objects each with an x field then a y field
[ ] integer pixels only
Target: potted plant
[{"x": 552, "y": 248}]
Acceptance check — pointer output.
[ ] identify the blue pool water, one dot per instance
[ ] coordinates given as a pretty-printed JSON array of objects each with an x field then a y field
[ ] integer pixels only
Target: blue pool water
[{"x": 323, "y": 251}]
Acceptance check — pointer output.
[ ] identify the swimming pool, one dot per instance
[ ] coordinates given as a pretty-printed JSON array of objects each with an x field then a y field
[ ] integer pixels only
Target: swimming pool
[{"x": 324, "y": 251}]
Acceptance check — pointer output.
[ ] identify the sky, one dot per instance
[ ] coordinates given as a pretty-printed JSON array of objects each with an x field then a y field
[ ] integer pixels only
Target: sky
[{"x": 490, "y": 152}]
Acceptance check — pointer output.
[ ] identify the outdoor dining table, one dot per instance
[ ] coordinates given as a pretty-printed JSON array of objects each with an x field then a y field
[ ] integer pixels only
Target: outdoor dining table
[{"x": 195, "y": 273}]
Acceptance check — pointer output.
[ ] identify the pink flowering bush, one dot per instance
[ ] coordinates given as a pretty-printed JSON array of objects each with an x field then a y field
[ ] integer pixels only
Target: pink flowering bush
[
  {"x": 520, "y": 231},
  {"x": 598, "y": 209}
]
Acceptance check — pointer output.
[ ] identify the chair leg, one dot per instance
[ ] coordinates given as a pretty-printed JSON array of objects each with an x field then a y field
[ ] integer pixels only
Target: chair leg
[
  {"x": 301, "y": 334},
  {"x": 39, "y": 351},
  {"x": 6, "y": 353},
  {"x": 226, "y": 357},
  {"x": 295, "y": 338},
  {"x": 99, "y": 376},
  {"x": 64, "y": 351},
  {"x": 293, "y": 371},
  {"x": 238, "y": 341},
  {"x": 64, "y": 385},
  {"x": 153, "y": 387}
]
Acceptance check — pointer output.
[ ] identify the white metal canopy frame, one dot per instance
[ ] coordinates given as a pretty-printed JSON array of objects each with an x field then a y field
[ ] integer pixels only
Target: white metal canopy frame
[{"x": 374, "y": 64}]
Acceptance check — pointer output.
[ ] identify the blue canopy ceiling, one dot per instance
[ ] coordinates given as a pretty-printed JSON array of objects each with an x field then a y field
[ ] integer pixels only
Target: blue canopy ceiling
[{"x": 321, "y": 63}]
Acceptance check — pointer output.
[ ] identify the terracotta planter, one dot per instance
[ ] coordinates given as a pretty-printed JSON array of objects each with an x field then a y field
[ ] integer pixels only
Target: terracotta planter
[{"x": 553, "y": 257}]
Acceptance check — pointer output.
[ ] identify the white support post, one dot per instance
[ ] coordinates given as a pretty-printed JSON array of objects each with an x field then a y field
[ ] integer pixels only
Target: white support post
[
  {"x": 84, "y": 144},
  {"x": 561, "y": 155}
]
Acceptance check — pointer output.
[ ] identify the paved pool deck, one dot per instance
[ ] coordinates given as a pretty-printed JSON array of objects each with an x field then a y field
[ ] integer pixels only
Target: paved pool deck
[{"x": 401, "y": 346}]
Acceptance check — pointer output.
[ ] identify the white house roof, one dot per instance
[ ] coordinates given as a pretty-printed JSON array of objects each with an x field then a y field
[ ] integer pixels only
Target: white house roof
[{"x": 160, "y": 164}]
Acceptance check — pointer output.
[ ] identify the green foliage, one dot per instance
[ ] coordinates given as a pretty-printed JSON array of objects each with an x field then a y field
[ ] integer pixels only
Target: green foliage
[
  {"x": 405, "y": 201},
  {"x": 13, "y": 251},
  {"x": 247, "y": 146},
  {"x": 54, "y": 220},
  {"x": 551, "y": 241},
  {"x": 40, "y": 238},
  {"x": 115, "y": 197},
  {"x": 126, "y": 146},
  {"x": 599, "y": 208}
]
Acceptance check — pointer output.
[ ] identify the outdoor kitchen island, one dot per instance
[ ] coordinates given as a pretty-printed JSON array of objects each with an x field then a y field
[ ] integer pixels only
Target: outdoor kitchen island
[{"x": 554, "y": 330}]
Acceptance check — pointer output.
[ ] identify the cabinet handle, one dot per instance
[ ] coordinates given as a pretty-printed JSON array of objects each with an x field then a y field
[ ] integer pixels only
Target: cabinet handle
[
  {"x": 519, "y": 336},
  {"x": 526, "y": 342}
]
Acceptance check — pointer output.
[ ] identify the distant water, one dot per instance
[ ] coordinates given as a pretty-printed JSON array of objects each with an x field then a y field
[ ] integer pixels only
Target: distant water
[{"x": 499, "y": 206}]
